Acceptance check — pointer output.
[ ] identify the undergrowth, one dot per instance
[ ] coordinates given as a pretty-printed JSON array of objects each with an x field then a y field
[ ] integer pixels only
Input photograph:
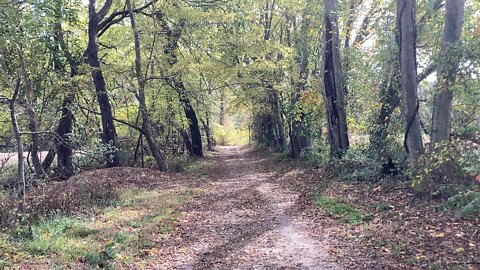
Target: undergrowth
[
  {"x": 130, "y": 226},
  {"x": 339, "y": 210}
]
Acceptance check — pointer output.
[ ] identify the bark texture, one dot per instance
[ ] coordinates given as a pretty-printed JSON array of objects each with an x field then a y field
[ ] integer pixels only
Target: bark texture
[
  {"x": 407, "y": 38},
  {"x": 147, "y": 126},
  {"x": 446, "y": 74},
  {"x": 173, "y": 35},
  {"x": 333, "y": 83},
  {"x": 109, "y": 134}
]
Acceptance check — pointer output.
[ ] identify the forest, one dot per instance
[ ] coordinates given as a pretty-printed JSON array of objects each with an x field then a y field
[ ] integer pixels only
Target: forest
[{"x": 239, "y": 134}]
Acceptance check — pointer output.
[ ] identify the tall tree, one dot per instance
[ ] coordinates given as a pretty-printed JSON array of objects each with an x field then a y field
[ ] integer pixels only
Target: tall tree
[
  {"x": 333, "y": 82},
  {"x": 109, "y": 133},
  {"x": 147, "y": 125},
  {"x": 173, "y": 35},
  {"x": 406, "y": 39},
  {"x": 299, "y": 140},
  {"x": 446, "y": 72}
]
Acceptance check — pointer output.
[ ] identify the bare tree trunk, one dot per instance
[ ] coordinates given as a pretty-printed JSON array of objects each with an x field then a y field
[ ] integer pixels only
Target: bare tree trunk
[
  {"x": 223, "y": 108},
  {"x": 32, "y": 119},
  {"x": 18, "y": 138},
  {"x": 147, "y": 128},
  {"x": 407, "y": 38},
  {"x": 442, "y": 108},
  {"x": 333, "y": 84},
  {"x": 208, "y": 132},
  {"x": 64, "y": 150},
  {"x": 109, "y": 135}
]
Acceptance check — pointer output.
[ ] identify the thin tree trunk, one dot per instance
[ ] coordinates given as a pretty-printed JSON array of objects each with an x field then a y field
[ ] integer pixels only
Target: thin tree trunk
[
  {"x": 333, "y": 84},
  {"x": 407, "y": 37},
  {"x": 442, "y": 108},
  {"x": 147, "y": 128},
  {"x": 18, "y": 139},
  {"x": 223, "y": 108},
  {"x": 109, "y": 135},
  {"x": 208, "y": 133},
  {"x": 32, "y": 119}
]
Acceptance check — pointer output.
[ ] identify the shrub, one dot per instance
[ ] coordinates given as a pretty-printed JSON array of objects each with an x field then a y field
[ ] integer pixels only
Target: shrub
[
  {"x": 450, "y": 166},
  {"x": 356, "y": 165},
  {"x": 8, "y": 210},
  {"x": 468, "y": 203},
  {"x": 70, "y": 196},
  {"x": 104, "y": 258}
]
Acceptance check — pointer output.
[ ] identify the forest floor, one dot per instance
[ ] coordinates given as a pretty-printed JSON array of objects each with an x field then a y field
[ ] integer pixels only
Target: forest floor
[{"x": 244, "y": 209}]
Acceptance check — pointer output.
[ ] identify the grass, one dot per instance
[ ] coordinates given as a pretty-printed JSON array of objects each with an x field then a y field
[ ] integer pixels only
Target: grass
[
  {"x": 339, "y": 210},
  {"x": 127, "y": 230}
]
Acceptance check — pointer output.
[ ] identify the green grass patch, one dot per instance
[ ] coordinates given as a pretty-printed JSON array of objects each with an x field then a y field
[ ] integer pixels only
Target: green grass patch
[
  {"x": 134, "y": 225},
  {"x": 339, "y": 210}
]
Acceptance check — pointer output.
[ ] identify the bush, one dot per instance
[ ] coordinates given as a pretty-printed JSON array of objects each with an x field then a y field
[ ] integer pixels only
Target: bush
[
  {"x": 72, "y": 196},
  {"x": 450, "y": 166},
  {"x": 69, "y": 197},
  {"x": 356, "y": 165},
  {"x": 8, "y": 210},
  {"x": 468, "y": 203}
]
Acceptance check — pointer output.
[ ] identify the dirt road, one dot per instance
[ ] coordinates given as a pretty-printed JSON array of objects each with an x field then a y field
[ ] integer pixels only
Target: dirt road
[{"x": 244, "y": 221}]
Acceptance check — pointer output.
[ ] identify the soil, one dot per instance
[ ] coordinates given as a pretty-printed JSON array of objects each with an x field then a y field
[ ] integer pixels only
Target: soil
[{"x": 244, "y": 220}]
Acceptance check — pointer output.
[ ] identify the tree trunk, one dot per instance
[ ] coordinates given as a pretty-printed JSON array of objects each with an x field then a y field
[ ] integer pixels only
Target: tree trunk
[
  {"x": 49, "y": 158},
  {"x": 299, "y": 139},
  {"x": 333, "y": 84},
  {"x": 18, "y": 139},
  {"x": 65, "y": 168},
  {"x": 32, "y": 119},
  {"x": 208, "y": 133},
  {"x": 223, "y": 109},
  {"x": 389, "y": 99},
  {"x": 407, "y": 36},
  {"x": 193, "y": 125},
  {"x": 442, "y": 108},
  {"x": 278, "y": 127},
  {"x": 147, "y": 128},
  {"x": 170, "y": 48},
  {"x": 109, "y": 135}
]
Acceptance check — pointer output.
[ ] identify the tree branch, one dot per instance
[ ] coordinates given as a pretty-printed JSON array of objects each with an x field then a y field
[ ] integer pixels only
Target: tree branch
[
  {"x": 118, "y": 16},
  {"x": 139, "y": 129}
]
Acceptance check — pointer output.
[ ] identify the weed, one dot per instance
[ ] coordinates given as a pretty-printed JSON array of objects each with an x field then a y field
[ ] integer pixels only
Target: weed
[
  {"x": 104, "y": 258},
  {"x": 339, "y": 210}
]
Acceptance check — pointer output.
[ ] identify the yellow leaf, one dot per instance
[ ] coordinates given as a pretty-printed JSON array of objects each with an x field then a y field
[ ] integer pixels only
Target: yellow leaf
[
  {"x": 440, "y": 235},
  {"x": 460, "y": 250}
]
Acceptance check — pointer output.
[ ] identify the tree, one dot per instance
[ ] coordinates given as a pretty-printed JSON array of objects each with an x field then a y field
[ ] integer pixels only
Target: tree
[
  {"x": 173, "y": 36},
  {"x": 407, "y": 38},
  {"x": 299, "y": 140},
  {"x": 147, "y": 126},
  {"x": 333, "y": 83},
  {"x": 109, "y": 135},
  {"x": 447, "y": 71}
]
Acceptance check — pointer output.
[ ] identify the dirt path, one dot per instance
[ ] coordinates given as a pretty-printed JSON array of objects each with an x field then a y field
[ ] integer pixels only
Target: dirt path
[{"x": 243, "y": 222}]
